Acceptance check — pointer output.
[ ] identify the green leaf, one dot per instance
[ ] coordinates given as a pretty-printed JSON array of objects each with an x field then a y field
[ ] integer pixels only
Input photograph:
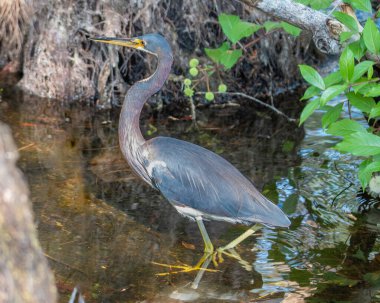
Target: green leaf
[
  {"x": 374, "y": 91},
  {"x": 345, "y": 36},
  {"x": 215, "y": 54},
  {"x": 291, "y": 29},
  {"x": 320, "y": 4},
  {"x": 236, "y": 29},
  {"x": 332, "y": 92},
  {"x": 224, "y": 55},
  {"x": 309, "y": 109},
  {"x": 375, "y": 111},
  {"x": 373, "y": 278},
  {"x": 373, "y": 167},
  {"x": 366, "y": 169},
  {"x": 304, "y": 2},
  {"x": 360, "y": 144},
  {"x": 347, "y": 64},
  {"x": 312, "y": 76},
  {"x": 333, "y": 78},
  {"x": 270, "y": 25},
  {"x": 347, "y": 20},
  {"x": 362, "y": 103},
  {"x": 290, "y": 204},
  {"x": 358, "y": 48},
  {"x": 310, "y": 92},
  {"x": 364, "y": 176},
  {"x": 345, "y": 127},
  {"x": 332, "y": 115},
  {"x": 231, "y": 57},
  {"x": 361, "y": 69},
  {"x": 371, "y": 37},
  {"x": 363, "y": 5},
  {"x": 370, "y": 73},
  {"x": 362, "y": 86}
]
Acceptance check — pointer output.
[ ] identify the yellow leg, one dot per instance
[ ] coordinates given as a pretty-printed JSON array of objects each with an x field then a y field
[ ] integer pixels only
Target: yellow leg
[
  {"x": 234, "y": 243},
  {"x": 209, "y": 248},
  {"x": 242, "y": 237}
]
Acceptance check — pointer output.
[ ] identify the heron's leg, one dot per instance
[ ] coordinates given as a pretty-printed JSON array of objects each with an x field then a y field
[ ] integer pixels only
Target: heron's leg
[
  {"x": 242, "y": 237},
  {"x": 206, "y": 259},
  {"x": 234, "y": 243},
  {"x": 209, "y": 248}
]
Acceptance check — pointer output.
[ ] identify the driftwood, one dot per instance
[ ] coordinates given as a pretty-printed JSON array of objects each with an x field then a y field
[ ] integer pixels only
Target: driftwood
[{"x": 24, "y": 272}]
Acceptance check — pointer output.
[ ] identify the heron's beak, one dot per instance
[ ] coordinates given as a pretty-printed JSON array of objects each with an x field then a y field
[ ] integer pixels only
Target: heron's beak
[{"x": 127, "y": 42}]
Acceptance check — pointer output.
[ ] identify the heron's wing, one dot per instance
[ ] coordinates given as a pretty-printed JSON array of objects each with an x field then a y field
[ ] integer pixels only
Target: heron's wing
[{"x": 191, "y": 176}]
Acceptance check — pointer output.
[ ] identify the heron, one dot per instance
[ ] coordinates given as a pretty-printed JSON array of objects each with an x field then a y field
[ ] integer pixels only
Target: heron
[{"x": 200, "y": 184}]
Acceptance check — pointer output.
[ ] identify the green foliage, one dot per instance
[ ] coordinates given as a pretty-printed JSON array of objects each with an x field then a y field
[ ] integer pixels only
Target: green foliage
[
  {"x": 345, "y": 127},
  {"x": 235, "y": 29},
  {"x": 355, "y": 84},
  {"x": 290, "y": 204},
  {"x": 347, "y": 64},
  {"x": 228, "y": 54},
  {"x": 347, "y": 20},
  {"x": 290, "y": 29},
  {"x": 371, "y": 37},
  {"x": 312, "y": 76},
  {"x": 316, "y": 4},
  {"x": 331, "y": 115},
  {"x": 363, "y": 5},
  {"x": 309, "y": 109},
  {"x": 224, "y": 55}
]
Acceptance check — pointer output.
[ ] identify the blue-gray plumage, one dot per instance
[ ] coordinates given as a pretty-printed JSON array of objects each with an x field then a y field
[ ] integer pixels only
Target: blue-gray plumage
[
  {"x": 197, "y": 182},
  {"x": 191, "y": 176}
]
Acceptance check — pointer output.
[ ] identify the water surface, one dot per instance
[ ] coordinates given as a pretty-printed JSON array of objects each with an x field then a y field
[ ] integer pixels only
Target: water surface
[{"x": 102, "y": 228}]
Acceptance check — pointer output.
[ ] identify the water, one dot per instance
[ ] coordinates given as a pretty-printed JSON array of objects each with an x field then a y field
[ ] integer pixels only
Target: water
[{"x": 102, "y": 229}]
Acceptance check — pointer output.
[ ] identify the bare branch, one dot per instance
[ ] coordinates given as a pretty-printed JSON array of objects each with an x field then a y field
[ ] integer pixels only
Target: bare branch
[
  {"x": 255, "y": 100},
  {"x": 325, "y": 29}
]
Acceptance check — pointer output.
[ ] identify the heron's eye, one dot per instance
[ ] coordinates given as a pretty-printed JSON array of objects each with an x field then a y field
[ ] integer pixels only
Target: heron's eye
[{"x": 139, "y": 43}]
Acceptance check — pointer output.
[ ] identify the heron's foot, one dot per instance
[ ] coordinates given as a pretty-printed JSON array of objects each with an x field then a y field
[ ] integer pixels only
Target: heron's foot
[
  {"x": 185, "y": 268},
  {"x": 217, "y": 257},
  {"x": 209, "y": 248}
]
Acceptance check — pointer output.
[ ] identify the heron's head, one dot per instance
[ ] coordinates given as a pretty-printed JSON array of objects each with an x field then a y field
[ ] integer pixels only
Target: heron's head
[{"x": 154, "y": 44}]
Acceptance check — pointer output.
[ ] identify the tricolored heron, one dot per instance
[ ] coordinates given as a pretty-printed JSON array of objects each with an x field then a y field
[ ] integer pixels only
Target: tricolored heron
[{"x": 197, "y": 182}]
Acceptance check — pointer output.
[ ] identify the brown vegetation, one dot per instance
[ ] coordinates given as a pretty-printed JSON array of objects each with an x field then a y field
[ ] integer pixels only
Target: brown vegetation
[{"x": 60, "y": 63}]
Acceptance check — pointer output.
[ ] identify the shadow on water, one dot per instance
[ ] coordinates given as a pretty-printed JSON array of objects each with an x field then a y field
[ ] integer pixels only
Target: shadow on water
[{"x": 101, "y": 227}]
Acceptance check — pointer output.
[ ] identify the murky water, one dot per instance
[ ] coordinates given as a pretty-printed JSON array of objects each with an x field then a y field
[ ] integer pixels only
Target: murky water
[{"x": 103, "y": 230}]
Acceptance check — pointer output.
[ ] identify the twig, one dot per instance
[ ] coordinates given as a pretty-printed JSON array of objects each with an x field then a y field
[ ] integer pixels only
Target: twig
[{"x": 255, "y": 100}]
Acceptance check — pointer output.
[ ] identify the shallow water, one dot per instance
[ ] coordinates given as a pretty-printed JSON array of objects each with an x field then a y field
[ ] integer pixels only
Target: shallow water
[{"x": 103, "y": 230}]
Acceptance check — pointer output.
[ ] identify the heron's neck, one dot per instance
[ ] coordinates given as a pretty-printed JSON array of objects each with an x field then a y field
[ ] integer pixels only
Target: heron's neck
[{"x": 130, "y": 136}]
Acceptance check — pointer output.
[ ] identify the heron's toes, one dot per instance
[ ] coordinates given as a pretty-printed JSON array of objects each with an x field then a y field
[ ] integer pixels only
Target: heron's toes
[{"x": 181, "y": 268}]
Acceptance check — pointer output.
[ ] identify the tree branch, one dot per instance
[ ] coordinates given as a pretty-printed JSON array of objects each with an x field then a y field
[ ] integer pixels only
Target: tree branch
[{"x": 325, "y": 29}]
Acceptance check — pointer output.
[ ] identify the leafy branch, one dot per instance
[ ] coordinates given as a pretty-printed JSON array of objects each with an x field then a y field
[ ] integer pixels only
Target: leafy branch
[{"x": 355, "y": 81}]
